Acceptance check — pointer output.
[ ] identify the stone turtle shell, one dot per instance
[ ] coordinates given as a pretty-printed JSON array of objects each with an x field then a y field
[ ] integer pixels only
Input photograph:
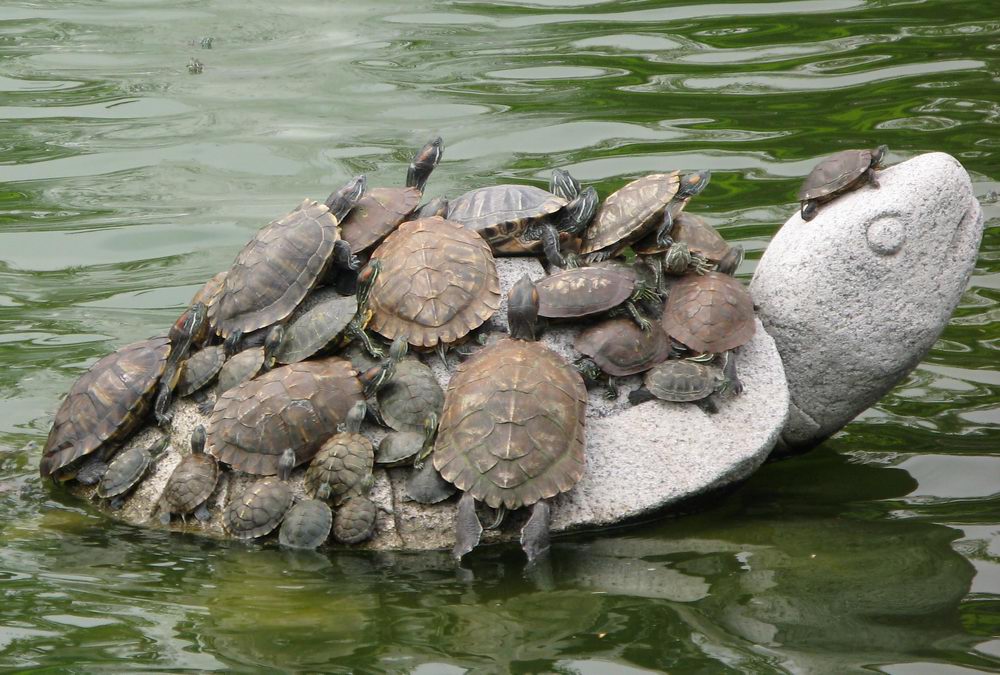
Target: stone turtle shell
[
  {"x": 410, "y": 396},
  {"x": 296, "y": 406},
  {"x": 582, "y": 291},
  {"x": 377, "y": 214},
  {"x": 500, "y": 213},
  {"x": 276, "y": 269},
  {"x": 835, "y": 173},
  {"x": 124, "y": 472},
  {"x": 438, "y": 282},
  {"x": 259, "y": 509},
  {"x": 200, "y": 369},
  {"x": 354, "y": 522},
  {"x": 709, "y": 313},
  {"x": 512, "y": 430},
  {"x": 683, "y": 380},
  {"x": 306, "y": 525},
  {"x": 106, "y": 403},
  {"x": 630, "y": 213},
  {"x": 619, "y": 347},
  {"x": 343, "y": 462},
  {"x": 191, "y": 482}
]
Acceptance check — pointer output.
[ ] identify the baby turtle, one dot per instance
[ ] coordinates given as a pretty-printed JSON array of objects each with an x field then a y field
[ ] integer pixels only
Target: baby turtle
[
  {"x": 425, "y": 485},
  {"x": 282, "y": 263},
  {"x": 344, "y": 461},
  {"x": 262, "y": 506},
  {"x": 307, "y": 524},
  {"x": 709, "y": 314},
  {"x": 511, "y": 433},
  {"x": 247, "y": 364},
  {"x": 192, "y": 482},
  {"x": 618, "y": 348},
  {"x": 413, "y": 393},
  {"x": 111, "y": 399},
  {"x": 126, "y": 470},
  {"x": 380, "y": 210},
  {"x": 839, "y": 173},
  {"x": 584, "y": 291},
  {"x": 200, "y": 369},
  {"x": 399, "y": 448},
  {"x": 438, "y": 282},
  {"x": 682, "y": 380},
  {"x": 354, "y": 521}
]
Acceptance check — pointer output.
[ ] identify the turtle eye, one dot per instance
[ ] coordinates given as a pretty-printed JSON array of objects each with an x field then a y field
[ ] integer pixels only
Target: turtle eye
[{"x": 886, "y": 234}]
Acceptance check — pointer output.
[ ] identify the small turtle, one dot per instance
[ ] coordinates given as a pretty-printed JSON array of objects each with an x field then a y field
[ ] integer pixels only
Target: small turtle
[
  {"x": 641, "y": 207},
  {"x": 192, "y": 482},
  {"x": 344, "y": 461},
  {"x": 307, "y": 524},
  {"x": 414, "y": 392},
  {"x": 91, "y": 471},
  {"x": 438, "y": 282},
  {"x": 332, "y": 323},
  {"x": 247, "y": 364},
  {"x": 282, "y": 263},
  {"x": 618, "y": 348},
  {"x": 263, "y": 505},
  {"x": 354, "y": 521},
  {"x": 111, "y": 399},
  {"x": 126, "y": 470},
  {"x": 585, "y": 291},
  {"x": 380, "y": 210},
  {"x": 523, "y": 219},
  {"x": 200, "y": 369},
  {"x": 709, "y": 314},
  {"x": 683, "y": 380},
  {"x": 425, "y": 485},
  {"x": 399, "y": 448},
  {"x": 839, "y": 173},
  {"x": 512, "y": 429}
]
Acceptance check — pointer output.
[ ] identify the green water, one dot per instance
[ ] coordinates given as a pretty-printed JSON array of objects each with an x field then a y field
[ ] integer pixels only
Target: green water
[{"x": 126, "y": 181}]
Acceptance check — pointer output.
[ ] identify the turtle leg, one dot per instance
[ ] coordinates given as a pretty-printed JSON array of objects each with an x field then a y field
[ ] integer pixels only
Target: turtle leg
[
  {"x": 362, "y": 336},
  {"x": 700, "y": 264},
  {"x": 708, "y": 405},
  {"x": 116, "y": 503},
  {"x": 598, "y": 256},
  {"x": 663, "y": 237},
  {"x": 810, "y": 208},
  {"x": 550, "y": 244},
  {"x": 639, "y": 319},
  {"x": 611, "y": 388},
  {"x": 442, "y": 352},
  {"x": 580, "y": 211},
  {"x": 468, "y": 529},
  {"x": 641, "y": 395},
  {"x": 202, "y": 514},
  {"x": 535, "y": 533},
  {"x": 343, "y": 258},
  {"x": 655, "y": 264},
  {"x": 207, "y": 406},
  {"x": 498, "y": 518},
  {"x": 732, "y": 377},
  {"x": 872, "y": 178},
  {"x": 164, "y": 396}
]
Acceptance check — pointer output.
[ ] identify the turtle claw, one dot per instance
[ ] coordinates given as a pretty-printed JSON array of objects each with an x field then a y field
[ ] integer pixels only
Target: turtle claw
[
  {"x": 468, "y": 529},
  {"x": 206, "y": 407},
  {"x": 535, "y": 533}
]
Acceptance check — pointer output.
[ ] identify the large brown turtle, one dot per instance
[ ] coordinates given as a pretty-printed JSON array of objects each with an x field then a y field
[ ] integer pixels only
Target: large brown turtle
[
  {"x": 709, "y": 314},
  {"x": 511, "y": 433},
  {"x": 438, "y": 283},
  {"x": 111, "y": 399},
  {"x": 617, "y": 348},
  {"x": 282, "y": 263},
  {"x": 839, "y": 173}
]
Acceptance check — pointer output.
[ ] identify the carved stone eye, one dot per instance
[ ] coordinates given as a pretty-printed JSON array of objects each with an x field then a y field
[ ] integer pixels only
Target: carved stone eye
[{"x": 886, "y": 235}]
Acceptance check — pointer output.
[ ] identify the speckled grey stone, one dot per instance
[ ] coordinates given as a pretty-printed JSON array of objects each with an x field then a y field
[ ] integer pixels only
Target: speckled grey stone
[{"x": 857, "y": 296}]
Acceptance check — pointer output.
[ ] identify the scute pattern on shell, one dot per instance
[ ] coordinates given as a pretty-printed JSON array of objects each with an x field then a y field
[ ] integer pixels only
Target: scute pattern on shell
[
  {"x": 710, "y": 313},
  {"x": 124, "y": 472},
  {"x": 582, "y": 291},
  {"x": 377, "y": 214},
  {"x": 200, "y": 369},
  {"x": 625, "y": 215},
  {"x": 407, "y": 399},
  {"x": 343, "y": 462},
  {"x": 192, "y": 482},
  {"x": 306, "y": 525},
  {"x": 106, "y": 403},
  {"x": 700, "y": 237},
  {"x": 275, "y": 270},
  {"x": 682, "y": 380},
  {"x": 619, "y": 347},
  {"x": 512, "y": 428},
  {"x": 315, "y": 329},
  {"x": 296, "y": 406},
  {"x": 259, "y": 509},
  {"x": 835, "y": 173},
  {"x": 438, "y": 282},
  {"x": 500, "y": 212},
  {"x": 354, "y": 522}
]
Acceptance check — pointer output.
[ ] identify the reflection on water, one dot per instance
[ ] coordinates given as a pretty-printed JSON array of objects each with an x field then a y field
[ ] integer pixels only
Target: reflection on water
[{"x": 126, "y": 181}]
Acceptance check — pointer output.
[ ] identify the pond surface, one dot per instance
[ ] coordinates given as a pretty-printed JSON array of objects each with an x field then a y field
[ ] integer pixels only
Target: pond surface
[{"x": 126, "y": 181}]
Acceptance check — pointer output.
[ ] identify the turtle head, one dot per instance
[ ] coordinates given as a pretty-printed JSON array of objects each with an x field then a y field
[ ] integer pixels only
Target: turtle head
[
  {"x": 198, "y": 437},
  {"x": 232, "y": 343},
  {"x": 878, "y": 154},
  {"x": 588, "y": 369},
  {"x": 564, "y": 185},
  {"x": 340, "y": 202},
  {"x": 323, "y": 492},
  {"x": 580, "y": 211},
  {"x": 355, "y": 416},
  {"x": 692, "y": 184},
  {"x": 423, "y": 163},
  {"x": 731, "y": 261},
  {"x": 286, "y": 463},
  {"x": 522, "y": 309},
  {"x": 366, "y": 281},
  {"x": 272, "y": 342},
  {"x": 189, "y": 326}
]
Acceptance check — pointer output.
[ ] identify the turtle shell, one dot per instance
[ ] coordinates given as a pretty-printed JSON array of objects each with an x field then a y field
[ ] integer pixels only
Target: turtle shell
[
  {"x": 501, "y": 213},
  {"x": 683, "y": 380},
  {"x": 709, "y": 313},
  {"x": 512, "y": 428},
  {"x": 694, "y": 231},
  {"x": 259, "y": 509},
  {"x": 410, "y": 396},
  {"x": 296, "y": 406},
  {"x": 377, "y": 214},
  {"x": 106, "y": 403},
  {"x": 438, "y": 282},
  {"x": 275, "y": 271},
  {"x": 316, "y": 328},
  {"x": 354, "y": 521},
  {"x": 306, "y": 525},
  {"x": 619, "y": 347},
  {"x": 124, "y": 472},
  {"x": 240, "y": 368},
  {"x": 582, "y": 291},
  {"x": 191, "y": 482},
  {"x": 631, "y": 212},
  {"x": 426, "y": 486},
  {"x": 835, "y": 174},
  {"x": 200, "y": 369},
  {"x": 343, "y": 463},
  {"x": 399, "y": 448}
]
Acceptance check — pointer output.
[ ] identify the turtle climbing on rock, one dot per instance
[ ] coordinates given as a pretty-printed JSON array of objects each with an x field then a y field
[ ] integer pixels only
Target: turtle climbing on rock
[
  {"x": 191, "y": 483},
  {"x": 586, "y": 291},
  {"x": 712, "y": 313},
  {"x": 355, "y": 519},
  {"x": 618, "y": 348},
  {"x": 308, "y": 523},
  {"x": 682, "y": 380},
  {"x": 343, "y": 461},
  {"x": 126, "y": 470},
  {"x": 839, "y": 173},
  {"x": 260, "y": 508}
]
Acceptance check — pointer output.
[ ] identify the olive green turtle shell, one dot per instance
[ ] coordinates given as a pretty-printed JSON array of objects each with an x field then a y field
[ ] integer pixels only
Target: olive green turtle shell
[
  {"x": 354, "y": 521},
  {"x": 343, "y": 462},
  {"x": 683, "y": 380},
  {"x": 410, "y": 396},
  {"x": 835, "y": 174},
  {"x": 200, "y": 369},
  {"x": 306, "y": 525},
  {"x": 512, "y": 430},
  {"x": 313, "y": 330},
  {"x": 259, "y": 509},
  {"x": 501, "y": 213},
  {"x": 124, "y": 472},
  {"x": 630, "y": 213},
  {"x": 192, "y": 482}
]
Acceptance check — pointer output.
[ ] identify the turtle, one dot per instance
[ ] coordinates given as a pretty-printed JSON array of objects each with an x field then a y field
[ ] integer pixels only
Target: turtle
[
  {"x": 260, "y": 508},
  {"x": 307, "y": 524},
  {"x": 709, "y": 314},
  {"x": 639, "y": 208},
  {"x": 425, "y": 485},
  {"x": 191, "y": 483},
  {"x": 200, "y": 369},
  {"x": 512, "y": 429},
  {"x": 247, "y": 364},
  {"x": 414, "y": 393},
  {"x": 343, "y": 461},
  {"x": 380, "y": 210},
  {"x": 111, "y": 399},
  {"x": 354, "y": 521},
  {"x": 839, "y": 173},
  {"x": 617, "y": 348},
  {"x": 523, "y": 219},
  {"x": 332, "y": 322},
  {"x": 435, "y": 207},
  {"x": 399, "y": 448},
  {"x": 91, "y": 470},
  {"x": 439, "y": 282},
  {"x": 282, "y": 263},
  {"x": 683, "y": 380},
  {"x": 126, "y": 470},
  {"x": 585, "y": 291}
]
